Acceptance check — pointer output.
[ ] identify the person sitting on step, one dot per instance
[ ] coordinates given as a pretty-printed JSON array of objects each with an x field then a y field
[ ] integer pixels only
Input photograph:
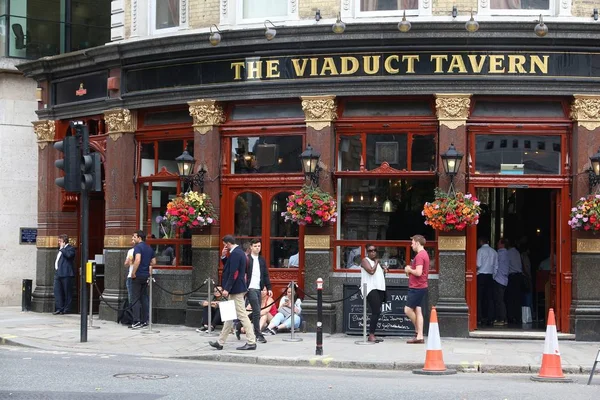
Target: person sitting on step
[{"x": 283, "y": 319}]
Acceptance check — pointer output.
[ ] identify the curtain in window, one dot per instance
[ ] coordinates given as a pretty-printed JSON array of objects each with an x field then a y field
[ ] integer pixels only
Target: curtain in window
[
  {"x": 174, "y": 11},
  {"x": 380, "y": 5},
  {"x": 505, "y": 4}
]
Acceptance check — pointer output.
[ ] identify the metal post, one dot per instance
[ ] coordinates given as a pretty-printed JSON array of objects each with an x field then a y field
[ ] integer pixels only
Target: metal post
[
  {"x": 209, "y": 331},
  {"x": 91, "y": 301},
  {"x": 85, "y": 214},
  {"x": 151, "y": 279},
  {"x": 319, "y": 350},
  {"x": 293, "y": 306},
  {"x": 364, "y": 320}
]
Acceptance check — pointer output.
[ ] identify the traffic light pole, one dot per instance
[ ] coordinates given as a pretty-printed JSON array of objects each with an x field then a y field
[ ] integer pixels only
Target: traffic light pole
[{"x": 85, "y": 217}]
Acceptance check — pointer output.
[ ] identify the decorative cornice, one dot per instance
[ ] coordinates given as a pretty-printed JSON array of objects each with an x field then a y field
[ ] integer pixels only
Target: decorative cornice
[
  {"x": 206, "y": 114},
  {"x": 319, "y": 111},
  {"x": 51, "y": 242},
  {"x": 317, "y": 242},
  {"x": 206, "y": 242},
  {"x": 118, "y": 121},
  {"x": 452, "y": 109},
  {"x": 452, "y": 243},
  {"x": 588, "y": 245},
  {"x": 117, "y": 241},
  {"x": 586, "y": 111},
  {"x": 385, "y": 168},
  {"x": 45, "y": 131}
]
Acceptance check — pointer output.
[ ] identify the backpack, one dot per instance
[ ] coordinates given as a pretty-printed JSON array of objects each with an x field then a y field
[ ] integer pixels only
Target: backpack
[{"x": 125, "y": 315}]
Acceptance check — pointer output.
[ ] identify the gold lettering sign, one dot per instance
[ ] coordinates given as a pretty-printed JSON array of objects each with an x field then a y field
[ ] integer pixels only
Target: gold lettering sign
[{"x": 256, "y": 68}]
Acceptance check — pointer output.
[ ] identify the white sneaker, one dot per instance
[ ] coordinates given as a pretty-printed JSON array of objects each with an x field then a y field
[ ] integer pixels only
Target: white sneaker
[{"x": 137, "y": 325}]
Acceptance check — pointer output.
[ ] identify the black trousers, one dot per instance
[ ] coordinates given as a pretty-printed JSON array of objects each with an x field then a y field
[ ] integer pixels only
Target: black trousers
[
  {"x": 500, "y": 314},
  {"x": 514, "y": 297},
  {"x": 254, "y": 300},
  {"x": 63, "y": 293},
  {"x": 215, "y": 316},
  {"x": 139, "y": 290},
  {"x": 374, "y": 299},
  {"x": 485, "y": 298}
]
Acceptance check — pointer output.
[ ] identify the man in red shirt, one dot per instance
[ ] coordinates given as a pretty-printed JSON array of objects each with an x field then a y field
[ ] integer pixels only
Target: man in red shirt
[{"x": 417, "y": 274}]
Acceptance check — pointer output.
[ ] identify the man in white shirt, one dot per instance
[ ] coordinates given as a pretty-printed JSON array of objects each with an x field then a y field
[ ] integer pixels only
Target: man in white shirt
[
  {"x": 500, "y": 282},
  {"x": 257, "y": 277},
  {"x": 487, "y": 261}
]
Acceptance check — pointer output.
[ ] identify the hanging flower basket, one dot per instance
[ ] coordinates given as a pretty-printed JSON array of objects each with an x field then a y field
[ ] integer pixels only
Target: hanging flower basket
[
  {"x": 189, "y": 210},
  {"x": 585, "y": 215},
  {"x": 450, "y": 212},
  {"x": 310, "y": 205}
]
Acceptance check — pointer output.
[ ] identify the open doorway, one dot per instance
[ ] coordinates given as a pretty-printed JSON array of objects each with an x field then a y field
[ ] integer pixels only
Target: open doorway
[{"x": 526, "y": 219}]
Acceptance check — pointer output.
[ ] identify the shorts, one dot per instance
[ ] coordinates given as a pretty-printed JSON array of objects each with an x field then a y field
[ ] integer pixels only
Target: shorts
[{"x": 415, "y": 297}]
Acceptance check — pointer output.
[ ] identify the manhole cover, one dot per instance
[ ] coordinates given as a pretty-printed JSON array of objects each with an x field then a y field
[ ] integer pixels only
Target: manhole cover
[{"x": 141, "y": 376}]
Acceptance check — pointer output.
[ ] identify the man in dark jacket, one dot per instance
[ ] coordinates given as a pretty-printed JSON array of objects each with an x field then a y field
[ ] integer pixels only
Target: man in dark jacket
[
  {"x": 63, "y": 276},
  {"x": 233, "y": 281},
  {"x": 257, "y": 278}
]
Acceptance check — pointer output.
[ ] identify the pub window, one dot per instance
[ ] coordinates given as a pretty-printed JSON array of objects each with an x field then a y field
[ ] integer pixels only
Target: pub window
[
  {"x": 392, "y": 148},
  {"x": 387, "y": 109},
  {"x": 158, "y": 184},
  {"x": 382, "y": 8},
  {"x": 518, "y": 109},
  {"x": 522, "y": 7},
  {"x": 543, "y": 159},
  {"x": 385, "y": 212},
  {"x": 256, "y": 11},
  {"x": 165, "y": 15},
  {"x": 265, "y": 154},
  {"x": 168, "y": 117},
  {"x": 266, "y": 111}
]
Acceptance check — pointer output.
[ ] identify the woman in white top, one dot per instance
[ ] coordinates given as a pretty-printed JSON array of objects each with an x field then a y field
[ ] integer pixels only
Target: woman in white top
[{"x": 372, "y": 274}]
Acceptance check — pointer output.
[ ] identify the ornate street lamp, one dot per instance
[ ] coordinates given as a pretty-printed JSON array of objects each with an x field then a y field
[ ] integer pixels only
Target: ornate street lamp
[
  {"x": 185, "y": 167},
  {"x": 310, "y": 164},
  {"x": 451, "y": 161},
  {"x": 594, "y": 171}
]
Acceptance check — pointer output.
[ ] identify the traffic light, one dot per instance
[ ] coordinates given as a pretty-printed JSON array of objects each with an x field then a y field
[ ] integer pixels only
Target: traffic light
[
  {"x": 91, "y": 175},
  {"x": 70, "y": 165}
]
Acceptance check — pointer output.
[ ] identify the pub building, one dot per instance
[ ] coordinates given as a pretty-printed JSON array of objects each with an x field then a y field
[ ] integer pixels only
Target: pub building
[{"x": 380, "y": 107}]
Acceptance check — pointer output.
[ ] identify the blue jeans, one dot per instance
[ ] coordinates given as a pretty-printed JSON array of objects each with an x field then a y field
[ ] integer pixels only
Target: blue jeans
[
  {"x": 279, "y": 319},
  {"x": 129, "y": 289}
]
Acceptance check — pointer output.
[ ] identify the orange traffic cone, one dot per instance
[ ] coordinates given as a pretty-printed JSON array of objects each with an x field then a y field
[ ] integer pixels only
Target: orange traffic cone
[
  {"x": 551, "y": 370},
  {"x": 434, "y": 359}
]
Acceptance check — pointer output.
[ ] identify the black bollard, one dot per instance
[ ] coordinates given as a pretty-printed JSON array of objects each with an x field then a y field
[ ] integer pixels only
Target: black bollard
[{"x": 319, "y": 350}]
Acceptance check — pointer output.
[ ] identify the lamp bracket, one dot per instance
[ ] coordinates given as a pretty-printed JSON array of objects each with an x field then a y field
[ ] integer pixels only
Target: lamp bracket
[
  {"x": 593, "y": 181},
  {"x": 196, "y": 179}
]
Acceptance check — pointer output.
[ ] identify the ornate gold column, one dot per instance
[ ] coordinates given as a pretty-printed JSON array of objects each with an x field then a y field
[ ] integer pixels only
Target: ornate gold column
[
  {"x": 206, "y": 243},
  {"x": 52, "y": 220},
  {"x": 585, "y": 304},
  {"x": 455, "y": 280},
  {"x": 319, "y": 114},
  {"x": 120, "y": 205}
]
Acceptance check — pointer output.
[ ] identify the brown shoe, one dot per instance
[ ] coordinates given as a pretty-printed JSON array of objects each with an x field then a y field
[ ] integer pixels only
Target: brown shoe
[{"x": 415, "y": 341}]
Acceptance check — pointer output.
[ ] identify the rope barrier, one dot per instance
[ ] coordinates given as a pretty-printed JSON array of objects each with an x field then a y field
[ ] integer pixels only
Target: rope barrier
[
  {"x": 179, "y": 294},
  {"x": 332, "y": 301},
  {"x": 111, "y": 307},
  {"x": 275, "y": 301}
]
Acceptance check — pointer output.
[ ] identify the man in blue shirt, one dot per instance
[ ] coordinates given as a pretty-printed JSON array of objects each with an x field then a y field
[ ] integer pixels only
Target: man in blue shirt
[{"x": 144, "y": 259}]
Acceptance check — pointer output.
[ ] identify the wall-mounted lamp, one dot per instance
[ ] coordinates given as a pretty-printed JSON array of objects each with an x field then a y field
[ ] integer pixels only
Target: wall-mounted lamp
[
  {"x": 454, "y": 12},
  {"x": 318, "y": 15},
  {"x": 595, "y": 14},
  {"x": 38, "y": 94},
  {"x": 270, "y": 32},
  {"x": 541, "y": 29},
  {"x": 404, "y": 25},
  {"x": 185, "y": 167},
  {"x": 339, "y": 26},
  {"x": 215, "y": 37},
  {"x": 594, "y": 171},
  {"x": 472, "y": 25},
  {"x": 310, "y": 164},
  {"x": 451, "y": 160}
]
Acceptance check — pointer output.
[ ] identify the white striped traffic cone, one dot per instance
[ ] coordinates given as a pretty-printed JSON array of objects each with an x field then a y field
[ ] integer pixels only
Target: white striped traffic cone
[
  {"x": 434, "y": 359},
  {"x": 551, "y": 370}
]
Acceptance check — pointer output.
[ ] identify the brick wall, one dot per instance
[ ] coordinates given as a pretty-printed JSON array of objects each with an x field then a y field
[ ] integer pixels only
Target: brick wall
[
  {"x": 127, "y": 6},
  {"x": 444, "y": 7},
  {"x": 308, "y": 8},
  {"x": 203, "y": 13}
]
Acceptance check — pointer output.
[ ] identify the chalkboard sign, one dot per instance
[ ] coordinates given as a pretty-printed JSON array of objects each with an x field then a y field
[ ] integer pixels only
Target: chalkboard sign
[
  {"x": 28, "y": 235},
  {"x": 392, "y": 321}
]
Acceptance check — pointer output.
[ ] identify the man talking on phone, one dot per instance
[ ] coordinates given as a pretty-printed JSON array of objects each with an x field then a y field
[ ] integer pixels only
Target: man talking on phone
[{"x": 233, "y": 281}]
